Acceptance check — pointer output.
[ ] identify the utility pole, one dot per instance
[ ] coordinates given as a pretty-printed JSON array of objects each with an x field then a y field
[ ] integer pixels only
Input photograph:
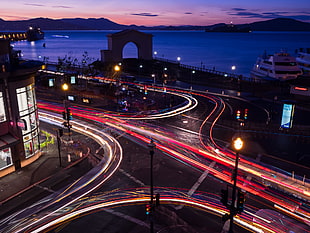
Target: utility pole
[
  {"x": 59, "y": 134},
  {"x": 151, "y": 146},
  {"x": 237, "y": 201},
  {"x": 238, "y": 144}
]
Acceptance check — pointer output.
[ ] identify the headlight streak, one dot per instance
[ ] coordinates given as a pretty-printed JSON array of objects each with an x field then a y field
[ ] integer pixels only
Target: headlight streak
[
  {"x": 259, "y": 174},
  {"x": 221, "y": 159},
  {"x": 167, "y": 197},
  {"x": 122, "y": 125},
  {"x": 58, "y": 120}
]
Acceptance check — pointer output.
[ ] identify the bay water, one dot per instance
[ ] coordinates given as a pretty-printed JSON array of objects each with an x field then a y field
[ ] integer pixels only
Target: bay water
[{"x": 220, "y": 51}]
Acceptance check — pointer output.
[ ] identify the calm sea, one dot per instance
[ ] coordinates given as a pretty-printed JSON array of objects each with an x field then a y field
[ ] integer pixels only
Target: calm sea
[{"x": 197, "y": 48}]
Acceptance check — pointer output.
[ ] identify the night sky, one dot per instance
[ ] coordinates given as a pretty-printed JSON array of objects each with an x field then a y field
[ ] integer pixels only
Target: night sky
[{"x": 158, "y": 12}]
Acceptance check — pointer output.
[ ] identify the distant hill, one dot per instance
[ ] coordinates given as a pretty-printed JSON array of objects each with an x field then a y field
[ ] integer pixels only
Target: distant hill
[
  {"x": 279, "y": 24},
  {"x": 64, "y": 24}
]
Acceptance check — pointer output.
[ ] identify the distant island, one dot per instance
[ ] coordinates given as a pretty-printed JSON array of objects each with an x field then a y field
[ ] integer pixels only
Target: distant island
[
  {"x": 229, "y": 28},
  {"x": 278, "y": 24}
]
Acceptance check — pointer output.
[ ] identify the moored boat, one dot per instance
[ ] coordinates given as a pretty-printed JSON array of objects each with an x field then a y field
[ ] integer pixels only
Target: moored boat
[
  {"x": 279, "y": 66},
  {"x": 303, "y": 60},
  {"x": 34, "y": 33}
]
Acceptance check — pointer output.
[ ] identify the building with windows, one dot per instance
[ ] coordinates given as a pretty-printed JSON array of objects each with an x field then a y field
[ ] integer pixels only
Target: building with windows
[{"x": 19, "y": 125}]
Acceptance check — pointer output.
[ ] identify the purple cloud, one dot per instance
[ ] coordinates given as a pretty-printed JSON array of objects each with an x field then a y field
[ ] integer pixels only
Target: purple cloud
[
  {"x": 62, "y": 6},
  {"x": 145, "y": 14},
  {"x": 33, "y": 4}
]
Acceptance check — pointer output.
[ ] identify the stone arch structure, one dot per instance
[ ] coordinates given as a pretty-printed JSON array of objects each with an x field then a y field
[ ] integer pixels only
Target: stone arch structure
[{"x": 118, "y": 40}]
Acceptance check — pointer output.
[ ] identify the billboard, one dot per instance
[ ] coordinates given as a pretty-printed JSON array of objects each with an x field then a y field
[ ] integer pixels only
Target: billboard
[{"x": 287, "y": 116}]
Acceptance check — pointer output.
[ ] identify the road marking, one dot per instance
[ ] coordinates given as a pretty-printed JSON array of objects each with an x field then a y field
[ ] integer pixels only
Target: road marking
[
  {"x": 186, "y": 130},
  {"x": 127, "y": 217},
  {"x": 132, "y": 178},
  {"x": 201, "y": 178},
  {"x": 197, "y": 184}
]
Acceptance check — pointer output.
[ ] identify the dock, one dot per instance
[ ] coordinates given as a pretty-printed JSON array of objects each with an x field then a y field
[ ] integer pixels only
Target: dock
[{"x": 13, "y": 36}]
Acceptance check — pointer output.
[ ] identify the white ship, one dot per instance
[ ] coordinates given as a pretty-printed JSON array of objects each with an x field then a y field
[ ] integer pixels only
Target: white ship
[
  {"x": 279, "y": 66},
  {"x": 303, "y": 60}
]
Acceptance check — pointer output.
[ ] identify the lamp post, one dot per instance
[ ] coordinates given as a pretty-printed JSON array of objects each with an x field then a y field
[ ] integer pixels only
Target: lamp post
[
  {"x": 237, "y": 144},
  {"x": 151, "y": 146},
  {"x": 116, "y": 72},
  {"x": 153, "y": 76},
  {"x": 67, "y": 112},
  {"x": 233, "y": 68},
  {"x": 192, "y": 73}
]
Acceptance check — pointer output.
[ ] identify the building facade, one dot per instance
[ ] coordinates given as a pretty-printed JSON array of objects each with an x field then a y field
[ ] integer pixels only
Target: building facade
[{"x": 19, "y": 124}]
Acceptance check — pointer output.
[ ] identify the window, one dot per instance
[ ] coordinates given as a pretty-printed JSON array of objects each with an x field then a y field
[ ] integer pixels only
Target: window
[
  {"x": 28, "y": 113},
  {"x": 286, "y": 64},
  {"x": 2, "y": 109},
  {"x": 5, "y": 158}
]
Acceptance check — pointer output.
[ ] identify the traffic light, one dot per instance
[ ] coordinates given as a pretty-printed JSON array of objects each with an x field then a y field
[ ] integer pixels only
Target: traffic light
[
  {"x": 238, "y": 114},
  {"x": 145, "y": 89},
  {"x": 245, "y": 114},
  {"x": 69, "y": 114},
  {"x": 240, "y": 201},
  {"x": 147, "y": 209},
  {"x": 64, "y": 116},
  {"x": 224, "y": 197}
]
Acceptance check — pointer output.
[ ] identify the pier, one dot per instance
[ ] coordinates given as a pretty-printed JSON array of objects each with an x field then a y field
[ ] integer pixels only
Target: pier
[
  {"x": 13, "y": 36},
  {"x": 32, "y": 34}
]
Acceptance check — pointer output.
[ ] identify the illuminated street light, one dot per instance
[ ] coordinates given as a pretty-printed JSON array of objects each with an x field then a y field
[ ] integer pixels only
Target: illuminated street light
[
  {"x": 192, "y": 73},
  {"x": 233, "y": 68},
  {"x": 65, "y": 87},
  {"x": 117, "y": 68},
  {"x": 238, "y": 144},
  {"x": 178, "y": 59}
]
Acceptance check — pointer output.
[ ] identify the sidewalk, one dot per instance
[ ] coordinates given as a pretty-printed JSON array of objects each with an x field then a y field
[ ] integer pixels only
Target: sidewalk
[{"x": 42, "y": 176}]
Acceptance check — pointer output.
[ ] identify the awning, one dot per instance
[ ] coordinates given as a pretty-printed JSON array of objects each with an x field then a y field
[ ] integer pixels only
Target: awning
[{"x": 7, "y": 140}]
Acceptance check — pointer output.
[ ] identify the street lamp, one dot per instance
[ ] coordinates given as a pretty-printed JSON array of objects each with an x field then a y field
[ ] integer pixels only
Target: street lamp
[
  {"x": 153, "y": 76},
  {"x": 117, "y": 68},
  {"x": 179, "y": 59},
  {"x": 67, "y": 113},
  {"x": 237, "y": 144},
  {"x": 65, "y": 87},
  {"x": 192, "y": 73},
  {"x": 233, "y": 68},
  {"x": 151, "y": 146}
]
